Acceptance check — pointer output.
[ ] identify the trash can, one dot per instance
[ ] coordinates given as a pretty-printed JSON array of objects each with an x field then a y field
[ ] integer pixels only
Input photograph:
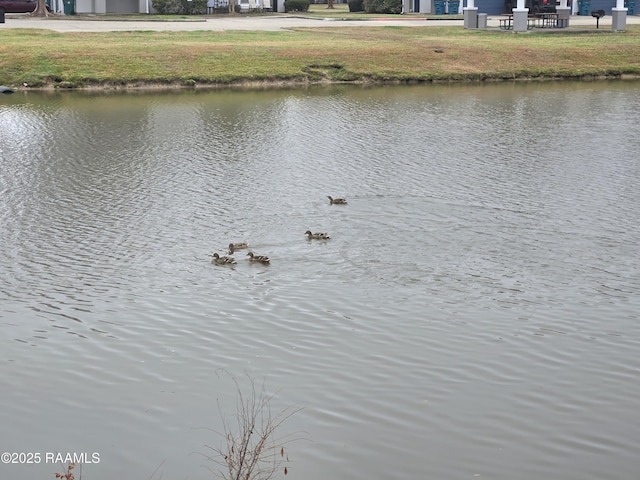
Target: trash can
[
  {"x": 69, "y": 7},
  {"x": 454, "y": 7},
  {"x": 439, "y": 6},
  {"x": 1, "y": 15},
  {"x": 630, "y": 5},
  {"x": 482, "y": 20},
  {"x": 583, "y": 7}
]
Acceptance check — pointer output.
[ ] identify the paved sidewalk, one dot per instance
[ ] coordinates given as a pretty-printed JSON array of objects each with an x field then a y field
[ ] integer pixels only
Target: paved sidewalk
[{"x": 263, "y": 22}]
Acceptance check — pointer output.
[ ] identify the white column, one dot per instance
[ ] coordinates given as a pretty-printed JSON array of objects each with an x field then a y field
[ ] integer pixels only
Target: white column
[
  {"x": 619, "y": 17},
  {"x": 470, "y": 15},
  {"x": 520, "y": 15}
]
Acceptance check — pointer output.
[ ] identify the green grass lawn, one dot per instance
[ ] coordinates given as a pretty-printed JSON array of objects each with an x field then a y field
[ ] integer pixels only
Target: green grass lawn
[{"x": 41, "y": 58}]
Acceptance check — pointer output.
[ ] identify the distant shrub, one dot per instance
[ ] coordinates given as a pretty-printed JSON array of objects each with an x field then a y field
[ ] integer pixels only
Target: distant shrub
[
  {"x": 356, "y": 5},
  {"x": 166, "y": 7},
  {"x": 194, "y": 7},
  {"x": 383, "y": 6},
  {"x": 180, "y": 7},
  {"x": 296, "y": 5}
]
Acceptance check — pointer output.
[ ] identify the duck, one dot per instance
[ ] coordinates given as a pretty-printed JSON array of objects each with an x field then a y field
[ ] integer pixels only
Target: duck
[
  {"x": 316, "y": 236},
  {"x": 237, "y": 246},
  {"x": 218, "y": 260},
  {"x": 336, "y": 201},
  {"x": 258, "y": 258}
]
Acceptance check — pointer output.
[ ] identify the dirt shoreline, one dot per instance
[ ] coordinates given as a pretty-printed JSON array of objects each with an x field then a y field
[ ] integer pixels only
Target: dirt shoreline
[{"x": 275, "y": 84}]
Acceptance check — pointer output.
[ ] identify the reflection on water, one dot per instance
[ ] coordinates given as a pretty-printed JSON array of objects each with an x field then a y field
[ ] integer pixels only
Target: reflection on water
[{"x": 474, "y": 314}]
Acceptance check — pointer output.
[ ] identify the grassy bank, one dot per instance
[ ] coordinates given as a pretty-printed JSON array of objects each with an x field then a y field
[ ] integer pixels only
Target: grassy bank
[{"x": 42, "y": 58}]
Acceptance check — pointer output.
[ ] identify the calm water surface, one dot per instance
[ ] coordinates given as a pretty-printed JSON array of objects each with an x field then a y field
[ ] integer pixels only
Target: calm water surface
[{"x": 475, "y": 314}]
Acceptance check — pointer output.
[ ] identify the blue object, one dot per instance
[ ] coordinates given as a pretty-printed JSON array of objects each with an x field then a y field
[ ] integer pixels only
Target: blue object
[
  {"x": 69, "y": 7},
  {"x": 439, "y": 7},
  {"x": 583, "y": 7},
  {"x": 630, "y": 6},
  {"x": 454, "y": 7}
]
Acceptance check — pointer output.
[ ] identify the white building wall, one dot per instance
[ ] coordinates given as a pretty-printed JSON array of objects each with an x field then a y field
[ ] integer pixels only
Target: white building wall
[
  {"x": 113, "y": 6},
  {"x": 85, "y": 6}
]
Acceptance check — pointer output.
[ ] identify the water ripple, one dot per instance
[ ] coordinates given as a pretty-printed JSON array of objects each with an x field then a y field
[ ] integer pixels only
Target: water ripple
[{"x": 474, "y": 312}]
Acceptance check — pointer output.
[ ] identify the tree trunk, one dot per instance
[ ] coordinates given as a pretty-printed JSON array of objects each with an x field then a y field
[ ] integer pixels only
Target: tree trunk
[{"x": 41, "y": 9}]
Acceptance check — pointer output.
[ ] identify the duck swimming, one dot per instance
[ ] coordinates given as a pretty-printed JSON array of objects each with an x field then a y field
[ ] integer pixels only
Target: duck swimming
[
  {"x": 336, "y": 201},
  {"x": 237, "y": 246},
  {"x": 218, "y": 260},
  {"x": 258, "y": 258},
  {"x": 316, "y": 236}
]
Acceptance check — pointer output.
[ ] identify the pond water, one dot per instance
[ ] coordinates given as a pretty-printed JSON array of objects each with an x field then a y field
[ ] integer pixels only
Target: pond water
[{"x": 475, "y": 313}]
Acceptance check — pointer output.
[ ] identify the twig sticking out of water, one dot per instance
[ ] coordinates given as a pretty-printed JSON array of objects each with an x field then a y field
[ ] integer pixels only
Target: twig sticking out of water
[{"x": 252, "y": 449}]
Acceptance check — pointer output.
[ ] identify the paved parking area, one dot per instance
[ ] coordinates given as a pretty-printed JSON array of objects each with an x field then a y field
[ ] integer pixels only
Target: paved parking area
[{"x": 254, "y": 22}]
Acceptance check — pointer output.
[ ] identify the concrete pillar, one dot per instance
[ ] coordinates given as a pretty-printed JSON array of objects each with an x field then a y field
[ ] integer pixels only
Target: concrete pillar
[
  {"x": 520, "y": 16},
  {"x": 564, "y": 13},
  {"x": 470, "y": 15},
  {"x": 619, "y": 18}
]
